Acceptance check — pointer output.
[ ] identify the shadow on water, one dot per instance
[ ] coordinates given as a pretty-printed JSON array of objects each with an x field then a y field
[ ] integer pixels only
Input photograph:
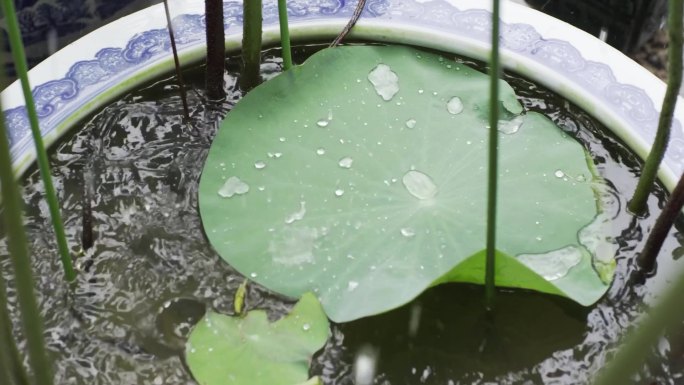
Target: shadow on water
[{"x": 447, "y": 334}]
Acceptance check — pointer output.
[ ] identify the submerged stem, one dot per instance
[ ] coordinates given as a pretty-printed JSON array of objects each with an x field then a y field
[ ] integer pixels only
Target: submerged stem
[
  {"x": 216, "y": 37},
  {"x": 352, "y": 22},
  {"x": 17, "y": 48},
  {"x": 285, "y": 35},
  {"x": 493, "y": 161},
  {"x": 251, "y": 43},
  {"x": 176, "y": 61},
  {"x": 637, "y": 204},
  {"x": 663, "y": 225},
  {"x": 18, "y": 251}
]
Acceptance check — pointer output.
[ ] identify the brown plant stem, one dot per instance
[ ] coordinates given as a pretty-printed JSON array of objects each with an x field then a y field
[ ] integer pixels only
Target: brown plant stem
[
  {"x": 216, "y": 37},
  {"x": 352, "y": 22},
  {"x": 176, "y": 61},
  {"x": 647, "y": 257}
]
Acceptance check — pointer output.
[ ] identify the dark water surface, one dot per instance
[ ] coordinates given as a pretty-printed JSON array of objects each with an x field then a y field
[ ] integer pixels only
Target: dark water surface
[{"x": 152, "y": 274}]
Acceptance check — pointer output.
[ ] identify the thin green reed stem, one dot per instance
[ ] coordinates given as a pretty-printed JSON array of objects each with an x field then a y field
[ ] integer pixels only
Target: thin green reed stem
[
  {"x": 492, "y": 182},
  {"x": 11, "y": 363},
  {"x": 637, "y": 204},
  {"x": 251, "y": 43},
  {"x": 18, "y": 250},
  {"x": 285, "y": 34},
  {"x": 19, "y": 56},
  {"x": 637, "y": 345}
]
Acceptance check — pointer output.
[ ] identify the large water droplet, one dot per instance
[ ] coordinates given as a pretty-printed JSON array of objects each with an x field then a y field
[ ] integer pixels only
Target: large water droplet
[
  {"x": 323, "y": 123},
  {"x": 559, "y": 173},
  {"x": 352, "y": 285},
  {"x": 233, "y": 186},
  {"x": 385, "y": 81},
  {"x": 510, "y": 127},
  {"x": 306, "y": 327},
  {"x": 554, "y": 264},
  {"x": 339, "y": 192},
  {"x": 259, "y": 165},
  {"x": 320, "y": 151},
  {"x": 411, "y": 123},
  {"x": 346, "y": 162},
  {"x": 419, "y": 185},
  {"x": 455, "y": 105},
  {"x": 297, "y": 215}
]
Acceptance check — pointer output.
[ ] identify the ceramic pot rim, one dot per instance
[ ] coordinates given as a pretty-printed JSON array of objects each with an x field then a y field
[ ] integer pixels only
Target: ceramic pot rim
[{"x": 103, "y": 65}]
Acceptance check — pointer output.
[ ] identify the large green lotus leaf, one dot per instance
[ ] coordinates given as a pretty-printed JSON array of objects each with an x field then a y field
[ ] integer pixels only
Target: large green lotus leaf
[
  {"x": 361, "y": 175},
  {"x": 251, "y": 351}
]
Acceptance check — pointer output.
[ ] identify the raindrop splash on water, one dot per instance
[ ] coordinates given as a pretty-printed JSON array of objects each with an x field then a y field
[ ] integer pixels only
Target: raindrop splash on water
[
  {"x": 365, "y": 366},
  {"x": 323, "y": 123},
  {"x": 414, "y": 319},
  {"x": 233, "y": 186},
  {"x": 339, "y": 192},
  {"x": 385, "y": 81},
  {"x": 411, "y": 123},
  {"x": 455, "y": 105},
  {"x": 352, "y": 285},
  {"x": 419, "y": 185}
]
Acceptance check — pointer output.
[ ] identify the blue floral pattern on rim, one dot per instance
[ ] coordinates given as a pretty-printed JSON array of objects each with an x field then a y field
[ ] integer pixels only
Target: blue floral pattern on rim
[{"x": 56, "y": 99}]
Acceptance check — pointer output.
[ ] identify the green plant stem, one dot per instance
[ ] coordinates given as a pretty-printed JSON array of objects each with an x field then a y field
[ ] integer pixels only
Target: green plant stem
[
  {"x": 285, "y": 34},
  {"x": 216, "y": 52},
  {"x": 18, "y": 250},
  {"x": 176, "y": 61},
  {"x": 637, "y": 204},
  {"x": 19, "y": 57},
  {"x": 11, "y": 364},
  {"x": 638, "y": 343},
  {"x": 493, "y": 161},
  {"x": 251, "y": 43}
]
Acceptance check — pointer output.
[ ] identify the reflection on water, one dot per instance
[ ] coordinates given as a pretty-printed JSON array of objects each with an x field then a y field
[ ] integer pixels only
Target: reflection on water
[{"x": 151, "y": 274}]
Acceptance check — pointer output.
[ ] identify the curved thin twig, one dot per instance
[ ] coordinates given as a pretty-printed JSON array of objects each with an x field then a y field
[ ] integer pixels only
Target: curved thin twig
[{"x": 352, "y": 22}]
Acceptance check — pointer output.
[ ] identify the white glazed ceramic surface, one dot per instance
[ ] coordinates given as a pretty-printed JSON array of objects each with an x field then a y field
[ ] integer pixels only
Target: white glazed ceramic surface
[{"x": 104, "y": 64}]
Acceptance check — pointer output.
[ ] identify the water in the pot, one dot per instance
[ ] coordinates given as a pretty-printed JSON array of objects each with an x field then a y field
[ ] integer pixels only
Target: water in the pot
[{"x": 151, "y": 273}]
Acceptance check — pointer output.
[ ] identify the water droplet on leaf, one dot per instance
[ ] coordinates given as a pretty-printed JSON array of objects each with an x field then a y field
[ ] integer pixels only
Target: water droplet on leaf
[
  {"x": 346, "y": 162},
  {"x": 385, "y": 81},
  {"x": 455, "y": 105},
  {"x": 419, "y": 185},
  {"x": 233, "y": 186}
]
